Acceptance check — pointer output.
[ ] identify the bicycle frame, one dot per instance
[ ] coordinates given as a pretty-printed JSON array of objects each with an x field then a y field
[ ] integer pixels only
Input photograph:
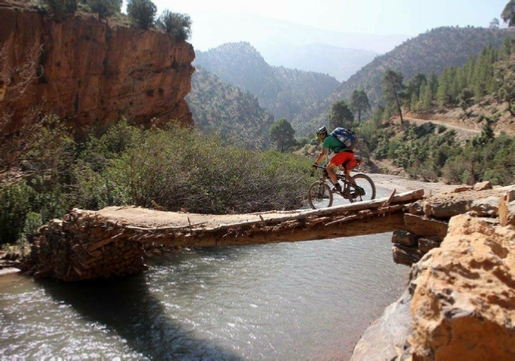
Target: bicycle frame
[{"x": 360, "y": 188}]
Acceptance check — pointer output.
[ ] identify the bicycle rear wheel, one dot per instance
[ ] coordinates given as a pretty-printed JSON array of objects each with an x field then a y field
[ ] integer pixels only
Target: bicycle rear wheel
[
  {"x": 365, "y": 190},
  {"x": 320, "y": 195}
]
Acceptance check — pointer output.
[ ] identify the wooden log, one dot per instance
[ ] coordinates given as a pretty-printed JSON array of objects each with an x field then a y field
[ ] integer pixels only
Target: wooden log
[
  {"x": 365, "y": 226},
  {"x": 303, "y": 214},
  {"x": 390, "y": 199}
]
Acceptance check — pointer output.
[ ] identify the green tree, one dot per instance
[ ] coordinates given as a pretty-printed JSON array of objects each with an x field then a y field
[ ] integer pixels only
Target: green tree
[
  {"x": 393, "y": 89},
  {"x": 414, "y": 90},
  {"x": 282, "y": 134},
  {"x": 105, "y": 8},
  {"x": 341, "y": 116},
  {"x": 504, "y": 73},
  {"x": 447, "y": 92},
  {"x": 508, "y": 14},
  {"x": 179, "y": 25},
  {"x": 465, "y": 98},
  {"x": 359, "y": 102},
  {"x": 142, "y": 12}
]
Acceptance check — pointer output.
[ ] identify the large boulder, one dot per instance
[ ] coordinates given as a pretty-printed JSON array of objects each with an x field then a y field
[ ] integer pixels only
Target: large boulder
[{"x": 463, "y": 306}]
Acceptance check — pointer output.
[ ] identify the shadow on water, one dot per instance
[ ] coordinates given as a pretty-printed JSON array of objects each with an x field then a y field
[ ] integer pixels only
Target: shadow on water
[{"x": 127, "y": 307}]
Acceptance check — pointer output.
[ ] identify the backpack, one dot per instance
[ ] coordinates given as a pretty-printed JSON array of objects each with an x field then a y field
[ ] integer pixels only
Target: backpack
[{"x": 348, "y": 139}]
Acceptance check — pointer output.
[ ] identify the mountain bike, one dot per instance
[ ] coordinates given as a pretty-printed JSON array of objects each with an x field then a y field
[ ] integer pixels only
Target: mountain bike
[{"x": 321, "y": 193}]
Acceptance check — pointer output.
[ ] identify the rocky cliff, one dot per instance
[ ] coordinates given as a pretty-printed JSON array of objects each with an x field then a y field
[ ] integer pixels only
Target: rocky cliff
[
  {"x": 460, "y": 302},
  {"x": 89, "y": 72}
]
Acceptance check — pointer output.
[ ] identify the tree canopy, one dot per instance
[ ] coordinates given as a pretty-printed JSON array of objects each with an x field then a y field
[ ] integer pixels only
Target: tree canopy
[
  {"x": 142, "y": 12},
  {"x": 393, "y": 88},
  {"x": 508, "y": 14},
  {"x": 359, "y": 102},
  {"x": 179, "y": 25},
  {"x": 282, "y": 134},
  {"x": 341, "y": 116}
]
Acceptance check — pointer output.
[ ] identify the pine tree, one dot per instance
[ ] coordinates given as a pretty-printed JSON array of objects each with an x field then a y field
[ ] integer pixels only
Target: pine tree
[
  {"x": 282, "y": 134},
  {"x": 393, "y": 89},
  {"x": 359, "y": 102},
  {"x": 341, "y": 116}
]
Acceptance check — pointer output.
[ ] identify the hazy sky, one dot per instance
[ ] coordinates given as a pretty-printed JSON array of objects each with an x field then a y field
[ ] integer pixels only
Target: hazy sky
[{"x": 385, "y": 17}]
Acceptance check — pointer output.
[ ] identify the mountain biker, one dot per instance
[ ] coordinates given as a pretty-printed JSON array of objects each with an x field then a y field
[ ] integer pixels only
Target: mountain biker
[{"x": 343, "y": 157}]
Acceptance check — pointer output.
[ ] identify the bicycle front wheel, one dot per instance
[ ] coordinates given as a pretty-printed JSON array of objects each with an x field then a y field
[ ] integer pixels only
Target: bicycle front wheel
[
  {"x": 320, "y": 195},
  {"x": 365, "y": 190}
]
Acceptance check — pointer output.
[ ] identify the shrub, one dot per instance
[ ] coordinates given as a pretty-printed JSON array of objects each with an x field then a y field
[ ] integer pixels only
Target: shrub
[
  {"x": 105, "y": 8},
  {"x": 178, "y": 25},
  {"x": 61, "y": 8},
  {"x": 179, "y": 168},
  {"x": 141, "y": 12},
  {"x": 15, "y": 203}
]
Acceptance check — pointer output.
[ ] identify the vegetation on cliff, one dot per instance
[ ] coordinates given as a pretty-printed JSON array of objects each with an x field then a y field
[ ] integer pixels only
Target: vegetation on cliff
[{"x": 141, "y": 13}]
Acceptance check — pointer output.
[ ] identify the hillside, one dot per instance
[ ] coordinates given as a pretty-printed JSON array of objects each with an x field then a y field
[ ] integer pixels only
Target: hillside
[
  {"x": 335, "y": 61},
  {"x": 226, "y": 109},
  {"x": 427, "y": 53},
  {"x": 282, "y": 92}
]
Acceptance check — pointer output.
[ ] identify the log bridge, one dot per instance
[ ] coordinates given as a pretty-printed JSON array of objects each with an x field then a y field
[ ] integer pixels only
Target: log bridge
[{"x": 114, "y": 241}]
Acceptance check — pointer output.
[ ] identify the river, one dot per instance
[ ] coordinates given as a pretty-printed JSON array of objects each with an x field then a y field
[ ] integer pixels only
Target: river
[{"x": 288, "y": 301}]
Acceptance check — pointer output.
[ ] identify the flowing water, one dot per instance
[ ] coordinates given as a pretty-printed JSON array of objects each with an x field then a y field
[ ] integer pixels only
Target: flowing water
[{"x": 288, "y": 301}]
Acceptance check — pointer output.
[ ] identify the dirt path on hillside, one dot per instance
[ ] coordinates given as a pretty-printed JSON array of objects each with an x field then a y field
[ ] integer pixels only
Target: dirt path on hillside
[{"x": 463, "y": 130}]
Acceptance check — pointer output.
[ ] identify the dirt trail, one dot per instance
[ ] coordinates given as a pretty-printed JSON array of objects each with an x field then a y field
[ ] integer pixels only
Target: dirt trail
[{"x": 401, "y": 184}]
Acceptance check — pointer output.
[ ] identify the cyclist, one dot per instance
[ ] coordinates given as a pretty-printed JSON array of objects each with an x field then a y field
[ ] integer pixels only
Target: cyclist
[{"x": 343, "y": 157}]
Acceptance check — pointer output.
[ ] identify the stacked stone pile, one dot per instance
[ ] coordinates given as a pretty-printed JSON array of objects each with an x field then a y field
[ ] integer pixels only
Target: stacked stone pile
[{"x": 86, "y": 247}]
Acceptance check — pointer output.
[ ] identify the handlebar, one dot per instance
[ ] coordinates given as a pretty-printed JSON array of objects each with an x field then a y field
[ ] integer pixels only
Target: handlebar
[{"x": 318, "y": 167}]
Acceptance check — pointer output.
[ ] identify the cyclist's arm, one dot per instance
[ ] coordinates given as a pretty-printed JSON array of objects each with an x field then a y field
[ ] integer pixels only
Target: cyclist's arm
[{"x": 321, "y": 156}]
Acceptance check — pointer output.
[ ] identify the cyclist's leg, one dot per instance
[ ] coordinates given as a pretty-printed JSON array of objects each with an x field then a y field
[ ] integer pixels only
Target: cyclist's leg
[
  {"x": 348, "y": 164},
  {"x": 335, "y": 161}
]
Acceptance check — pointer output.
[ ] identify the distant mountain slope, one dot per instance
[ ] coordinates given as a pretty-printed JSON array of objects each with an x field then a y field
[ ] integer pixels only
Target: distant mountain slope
[
  {"x": 228, "y": 110},
  {"x": 338, "y": 62},
  {"x": 283, "y": 92},
  {"x": 430, "y": 52},
  {"x": 272, "y": 36}
]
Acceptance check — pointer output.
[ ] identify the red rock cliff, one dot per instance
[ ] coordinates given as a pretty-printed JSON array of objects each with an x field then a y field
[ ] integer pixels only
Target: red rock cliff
[{"x": 90, "y": 72}]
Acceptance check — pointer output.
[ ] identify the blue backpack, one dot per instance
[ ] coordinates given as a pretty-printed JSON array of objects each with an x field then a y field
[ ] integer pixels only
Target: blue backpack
[{"x": 346, "y": 137}]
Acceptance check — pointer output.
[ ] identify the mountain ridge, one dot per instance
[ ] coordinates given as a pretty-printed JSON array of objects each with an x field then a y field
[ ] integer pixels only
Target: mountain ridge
[
  {"x": 425, "y": 54},
  {"x": 283, "y": 92}
]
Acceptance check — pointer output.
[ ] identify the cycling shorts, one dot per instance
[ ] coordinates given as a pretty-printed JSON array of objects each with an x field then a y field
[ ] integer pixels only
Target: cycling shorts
[{"x": 344, "y": 159}]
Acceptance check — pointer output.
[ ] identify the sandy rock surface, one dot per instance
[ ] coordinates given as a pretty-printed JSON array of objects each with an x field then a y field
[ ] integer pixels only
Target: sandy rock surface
[{"x": 464, "y": 302}]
